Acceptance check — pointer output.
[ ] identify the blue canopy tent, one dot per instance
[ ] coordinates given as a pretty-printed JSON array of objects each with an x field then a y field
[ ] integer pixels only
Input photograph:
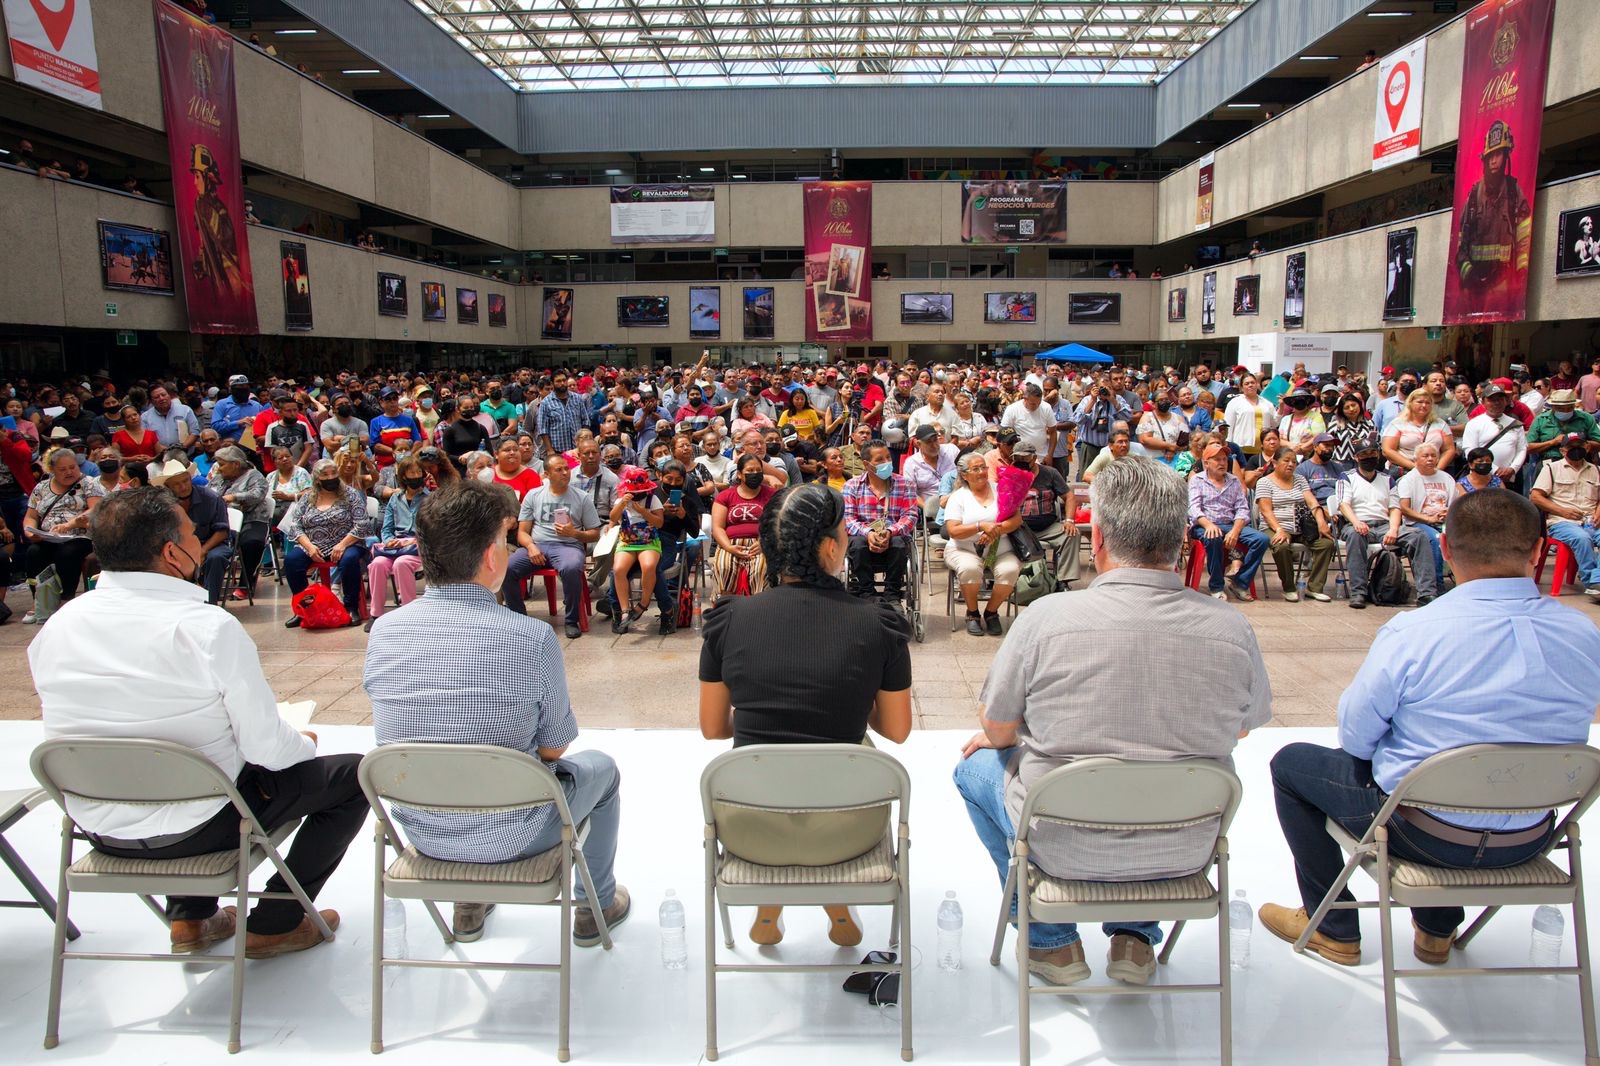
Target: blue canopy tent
[{"x": 1074, "y": 353}]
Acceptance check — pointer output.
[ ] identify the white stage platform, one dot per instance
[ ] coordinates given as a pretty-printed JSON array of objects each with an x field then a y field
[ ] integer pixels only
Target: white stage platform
[{"x": 627, "y": 1009}]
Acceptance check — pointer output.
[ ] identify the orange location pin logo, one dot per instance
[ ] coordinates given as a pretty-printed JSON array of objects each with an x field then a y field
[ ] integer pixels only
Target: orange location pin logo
[
  {"x": 57, "y": 24},
  {"x": 1396, "y": 93}
]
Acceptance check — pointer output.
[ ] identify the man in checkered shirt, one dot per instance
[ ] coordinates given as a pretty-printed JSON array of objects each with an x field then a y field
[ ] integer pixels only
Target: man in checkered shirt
[
  {"x": 455, "y": 667},
  {"x": 560, "y": 415}
]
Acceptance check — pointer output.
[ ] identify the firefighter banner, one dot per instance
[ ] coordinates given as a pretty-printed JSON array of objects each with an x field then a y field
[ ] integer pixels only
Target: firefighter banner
[
  {"x": 1507, "y": 53},
  {"x": 207, "y": 191},
  {"x": 838, "y": 229}
]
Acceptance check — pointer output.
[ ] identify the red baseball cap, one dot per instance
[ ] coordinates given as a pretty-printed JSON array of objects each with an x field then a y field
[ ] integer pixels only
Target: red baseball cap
[
  {"x": 864, "y": 369},
  {"x": 1388, "y": 371}
]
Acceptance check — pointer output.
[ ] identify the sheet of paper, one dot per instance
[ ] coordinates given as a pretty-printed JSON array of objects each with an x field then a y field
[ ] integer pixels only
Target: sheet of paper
[{"x": 298, "y": 714}]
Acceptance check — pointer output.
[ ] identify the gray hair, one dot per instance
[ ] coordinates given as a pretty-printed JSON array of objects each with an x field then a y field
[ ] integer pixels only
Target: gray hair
[
  {"x": 231, "y": 454},
  {"x": 1141, "y": 509},
  {"x": 323, "y": 467}
]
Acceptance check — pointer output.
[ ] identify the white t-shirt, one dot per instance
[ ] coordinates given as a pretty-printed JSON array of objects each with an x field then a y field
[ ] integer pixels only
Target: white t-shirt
[
  {"x": 1510, "y": 448},
  {"x": 1247, "y": 421},
  {"x": 1370, "y": 501},
  {"x": 1033, "y": 426},
  {"x": 965, "y": 508},
  {"x": 1430, "y": 495},
  {"x": 1167, "y": 428},
  {"x": 720, "y": 467}
]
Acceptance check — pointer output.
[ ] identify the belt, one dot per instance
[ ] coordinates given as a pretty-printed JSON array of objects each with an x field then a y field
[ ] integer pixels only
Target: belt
[
  {"x": 148, "y": 843},
  {"x": 1472, "y": 838}
]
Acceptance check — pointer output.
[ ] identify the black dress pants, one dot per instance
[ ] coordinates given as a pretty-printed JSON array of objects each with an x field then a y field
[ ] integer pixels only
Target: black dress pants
[{"x": 890, "y": 562}]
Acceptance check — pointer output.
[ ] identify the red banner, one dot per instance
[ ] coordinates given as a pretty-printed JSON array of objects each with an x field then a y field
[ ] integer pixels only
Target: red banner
[
  {"x": 207, "y": 191},
  {"x": 1497, "y": 161},
  {"x": 838, "y": 225}
]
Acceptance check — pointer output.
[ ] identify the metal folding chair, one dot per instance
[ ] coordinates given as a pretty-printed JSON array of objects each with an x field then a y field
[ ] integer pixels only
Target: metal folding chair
[
  {"x": 809, "y": 779},
  {"x": 143, "y": 773},
  {"x": 1479, "y": 779},
  {"x": 471, "y": 780},
  {"x": 1125, "y": 797},
  {"x": 14, "y": 806}
]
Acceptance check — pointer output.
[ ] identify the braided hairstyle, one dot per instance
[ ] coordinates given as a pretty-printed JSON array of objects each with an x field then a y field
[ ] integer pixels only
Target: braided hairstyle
[{"x": 793, "y": 526}]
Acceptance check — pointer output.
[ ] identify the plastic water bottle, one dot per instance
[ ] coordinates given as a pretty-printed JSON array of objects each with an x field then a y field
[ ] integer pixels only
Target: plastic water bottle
[
  {"x": 949, "y": 934},
  {"x": 1339, "y": 589},
  {"x": 1548, "y": 926},
  {"x": 1240, "y": 920},
  {"x": 1301, "y": 587},
  {"x": 674, "y": 944},
  {"x": 394, "y": 929}
]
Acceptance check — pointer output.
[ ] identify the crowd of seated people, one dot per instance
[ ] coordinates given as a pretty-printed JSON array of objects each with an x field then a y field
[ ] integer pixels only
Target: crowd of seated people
[{"x": 1381, "y": 466}]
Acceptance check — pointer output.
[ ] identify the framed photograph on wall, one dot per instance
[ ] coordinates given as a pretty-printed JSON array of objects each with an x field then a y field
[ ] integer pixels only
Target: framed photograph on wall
[
  {"x": 1399, "y": 304},
  {"x": 759, "y": 303},
  {"x": 555, "y": 315},
  {"x": 1208, "y": 303},
  {"x": 1294, "y": 291},
  {"x": 467, "y": 306},
  {"x": 135, "y": 259},
  {"x": 927, "y": 308},
  {"x": 497, "y": 309},
  {"x": 705, "y": 313},
  {"x": 392, "y": 295},
  {"x": 1010, "y": 307},
  {"x": 1177, "y": 305},
  {"x": 1094, "y": 309},
  {"x": 1247, "y": 295},
  {"x": 296, "y": 286},
  {"x": 642, "y": 311},
  {"x": 1578, "y": 243},
  {"x": 433, "y": 309}
]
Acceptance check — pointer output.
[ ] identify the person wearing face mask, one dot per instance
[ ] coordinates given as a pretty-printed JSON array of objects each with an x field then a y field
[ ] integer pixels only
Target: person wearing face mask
[
  {"x": 680, "y": 532},
  {"x": 396, "y": 551},
  {"x": 695, "y": 414},
  {"x": 1568, "y": 492},
  {"x": 460, "y": 433},
  {"x": 880, "y": 517},
  {"x": 209, "y": 516},
  {"x": 1321, "y": 472},
  {"x": 502, "y": 410},
  {"x": 423, "y": 410},
  {"x": 1499, "y": 431},
  {"x": 1160, "y": 430},
  {"x": 1371, "y": 512},
  {"x": 1548, "y": 432},
  {"x": 232, "y": 415},
  {"x": 290, "y": 431},
  {"x": 240, "y": 485},
  {"x": 738, "y": 565},
  {"x": 343, "y": 424},
  {"x": 1303, "y": 424},
  {"x": 60, "y": 506},
  {"x": 145, "y": 616},
  {"x": 109, "y": 462},
  {"x": 1480, "y": 473},
  {"x": 328, "y": 524}
]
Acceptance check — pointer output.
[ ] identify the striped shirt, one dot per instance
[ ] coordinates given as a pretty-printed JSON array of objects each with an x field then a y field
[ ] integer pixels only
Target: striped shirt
[
  {"x": 561, "y": 419},
  {"x": 454, "y": 667}
]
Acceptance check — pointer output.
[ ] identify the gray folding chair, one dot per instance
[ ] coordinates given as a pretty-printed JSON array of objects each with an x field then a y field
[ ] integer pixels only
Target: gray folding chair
[
  {"x": 807, "y": 778},
  {"x": 147, "y": 773},
  {"x": 1479, "y": 779},
  {"x": 471, "y": 780},
  {"x": 14, "y": 806},
  {"x": 1123, "y": 796}
]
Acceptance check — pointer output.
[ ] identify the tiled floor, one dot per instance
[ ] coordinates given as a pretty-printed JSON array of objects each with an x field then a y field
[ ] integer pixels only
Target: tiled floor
[{"x": 643, "y": 680}]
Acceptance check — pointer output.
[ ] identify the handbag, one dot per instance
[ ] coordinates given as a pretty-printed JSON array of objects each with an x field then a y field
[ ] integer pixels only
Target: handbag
[
  {"x": 46, "y": 593},
  {"x": 1305, "y": 524},
  {"x": 318, "y": 608},
  {"x": 1025, "y": 544}
]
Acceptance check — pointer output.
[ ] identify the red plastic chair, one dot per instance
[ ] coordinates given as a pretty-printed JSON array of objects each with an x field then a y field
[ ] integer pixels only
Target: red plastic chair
[
  {"x": 550, "y": 578},
  {"x": 1566, "y": 565},
  {"x": 1197, "y": 566}
]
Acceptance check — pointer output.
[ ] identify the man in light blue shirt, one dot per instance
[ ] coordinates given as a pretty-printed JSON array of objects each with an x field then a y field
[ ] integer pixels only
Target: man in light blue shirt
[
  {"x": 1490, "y": 662},
  {"x": 1388, "y": 409}
]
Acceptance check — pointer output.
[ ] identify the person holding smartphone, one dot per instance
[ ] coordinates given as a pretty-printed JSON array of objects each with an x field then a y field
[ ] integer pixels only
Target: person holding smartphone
[
  {"x": 680, "y": 532},
  {"x": 556, "y": 521}
]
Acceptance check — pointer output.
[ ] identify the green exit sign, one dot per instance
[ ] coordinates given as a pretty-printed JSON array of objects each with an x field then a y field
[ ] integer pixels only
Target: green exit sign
[
  {"x": 127, "y": 338},
  {"x": 1013, "y": 250},
  {"x": 1434, "y": 333},
  {"x": 111, "y": 310},
  {"x": 722, "y": 252}
]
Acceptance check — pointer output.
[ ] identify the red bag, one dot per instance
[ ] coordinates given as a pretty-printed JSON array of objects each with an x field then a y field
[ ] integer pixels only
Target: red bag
[{"x": 318, "y": 608}]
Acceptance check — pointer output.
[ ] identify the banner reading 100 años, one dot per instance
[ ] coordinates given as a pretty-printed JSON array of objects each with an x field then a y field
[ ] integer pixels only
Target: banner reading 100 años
[
  {"x": 838, "y": 229},
  {"x": 207, "y": 190},
  {"x": 1507, "y": 53}
]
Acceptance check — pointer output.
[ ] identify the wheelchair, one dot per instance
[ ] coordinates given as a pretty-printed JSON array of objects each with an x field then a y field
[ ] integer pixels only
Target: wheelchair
[{"x": 911, "y": 600}]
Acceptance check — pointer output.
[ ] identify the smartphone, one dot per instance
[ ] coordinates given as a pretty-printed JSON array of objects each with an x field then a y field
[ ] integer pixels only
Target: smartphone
[
  {"x": 562, "y": 516},
  {"x": 352, "y": 444},
  {"x": 675, "y": 497}
]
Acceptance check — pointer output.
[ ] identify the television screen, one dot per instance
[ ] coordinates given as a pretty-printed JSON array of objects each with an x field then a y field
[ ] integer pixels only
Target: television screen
[
  {"x": 1208, "y": 253},
  {"x": 927, "y": 308},
  {"x": 641, "y": 311},
  {"x": 1010, "y": 307},
  {"x": 1094, "y": 308},
  {"x": 705, "y": 313}
]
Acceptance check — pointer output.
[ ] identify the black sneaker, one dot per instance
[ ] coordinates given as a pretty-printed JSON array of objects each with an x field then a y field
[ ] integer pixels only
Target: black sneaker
[
  {"x": 1423, "y": 601},
  {"x": 293, "y": 623},
  {"x": 669, "y": 625},
  {"x": 603, "y": 608},
  {"x": 974, "y": 624},
  {"x": 573, "y": 631},
  {"x": 991, "y": 622},
  {"x": 1358, "y": 602}
]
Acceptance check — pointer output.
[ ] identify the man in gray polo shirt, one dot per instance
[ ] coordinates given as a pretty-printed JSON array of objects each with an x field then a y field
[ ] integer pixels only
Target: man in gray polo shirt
[
  {"x": 1057, "y": 692},
  {"x": 556, "y": 521}
]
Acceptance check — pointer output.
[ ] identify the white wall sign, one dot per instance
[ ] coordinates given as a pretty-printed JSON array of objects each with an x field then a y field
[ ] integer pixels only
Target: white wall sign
[{"x": 52, "y": 48}]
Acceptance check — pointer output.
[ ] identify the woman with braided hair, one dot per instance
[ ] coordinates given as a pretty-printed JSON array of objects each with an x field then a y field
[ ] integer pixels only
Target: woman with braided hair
[{"x": 856, "y": 674}]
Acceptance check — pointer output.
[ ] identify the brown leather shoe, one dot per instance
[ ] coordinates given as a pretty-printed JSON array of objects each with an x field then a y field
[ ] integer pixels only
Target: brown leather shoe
[
  {"x": 189, "y": 936},
  {"x": 1059, "y": 966},
  {"x": 305, "y": 935},
  {"x": 586, "y": 931},
  {"x": 1286, "y": 924},
  {"x": 1433, "y": 950},
  {"x": 1130, "y": 959}
]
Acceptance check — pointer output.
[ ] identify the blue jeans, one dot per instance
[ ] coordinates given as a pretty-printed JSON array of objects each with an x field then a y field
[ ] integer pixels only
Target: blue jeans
[
  {"x": 1585, "y": 546},
  {"x": 981, "y": 780},
  {"x": 1312, "y": 784},
  {"x": 565, "y": 559},
  {"x": 1430, "y": 534},
  {"x": 347, "y": 573},
  {"x": 667, "y": 590},
  {"x": 592, "y": 784},
  {"x": 1252, "y": 542}
]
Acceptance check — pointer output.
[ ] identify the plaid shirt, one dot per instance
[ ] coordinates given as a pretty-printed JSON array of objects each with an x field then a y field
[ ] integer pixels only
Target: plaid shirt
[
  {"x": 454, "y": 667},
  {"x": 862, "y": 506},
  {"x": 561, "y": 419}
]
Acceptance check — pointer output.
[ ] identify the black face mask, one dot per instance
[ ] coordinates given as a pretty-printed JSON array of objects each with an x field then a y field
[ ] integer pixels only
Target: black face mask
[
  {"x": 329, "y": 484},
  {"x": 1163, "y": 406},
  {"x": 494, "y": 394},
  {"x": 341, "y": 412},
  {"x": 614, "y": 464},
  {"x": 239, "y": 395},
  {"x": 1483, "y": 469},
  {"x": 1300, "y": 405},
  {"x": 1368, "y": 465},
  {"x": 110, "y": 466},
  {"x": 1578, "y": 453},
  {"x": 287, "y": 420},
  {"x": 1323, "y": 455},
  {"x": 753, "y": 480},
  {"x": 413, "y": 482}
]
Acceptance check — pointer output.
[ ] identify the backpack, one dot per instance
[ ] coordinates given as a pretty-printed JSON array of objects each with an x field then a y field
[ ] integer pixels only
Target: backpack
[
  {"x": 1387, "y": 585},
  {"x": 1036, "y": 580}
]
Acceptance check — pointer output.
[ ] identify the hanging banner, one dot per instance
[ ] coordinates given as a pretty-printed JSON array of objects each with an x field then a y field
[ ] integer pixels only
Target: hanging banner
[
  {"x": 679, "y": 214},
  {"x": 1205, "y": 196},
  {"x": 296, "y": 286},
  {"x": 1013, "y": 212},
  {"x": 207, "y": 192},
  {"x": 52, "y": 48},
  {"x": 1397, "y": 132},
  {"x": 1507, "y": 54},
  {"x": 838, "y": 229}
]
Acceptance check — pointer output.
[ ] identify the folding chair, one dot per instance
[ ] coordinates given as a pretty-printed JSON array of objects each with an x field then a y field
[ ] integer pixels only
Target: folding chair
[
  {"x": 235, "y": 576},
  {"x": 144, "y": 773},
  {"x": 471, "y": 780},
  {"x": 985, "y": 590},
  {"x": 1124, "y": 797},
  {"x": 14, "y": 806},
  {"x": 1479, "y": 779},
  {"x": 807, "y": 778}
]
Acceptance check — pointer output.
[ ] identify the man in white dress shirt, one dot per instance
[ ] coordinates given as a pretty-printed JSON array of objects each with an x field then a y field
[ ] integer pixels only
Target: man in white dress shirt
[{"x": 168, "y": 666}]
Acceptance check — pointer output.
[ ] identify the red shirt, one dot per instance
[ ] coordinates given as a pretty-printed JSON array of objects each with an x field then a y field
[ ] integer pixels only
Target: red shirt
[
  {"x": 744, "y": 516},
  {"x": 870, "y": 398},
  {"x": 148, "y": 446},
  {"x": 523, "y": 483}
]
